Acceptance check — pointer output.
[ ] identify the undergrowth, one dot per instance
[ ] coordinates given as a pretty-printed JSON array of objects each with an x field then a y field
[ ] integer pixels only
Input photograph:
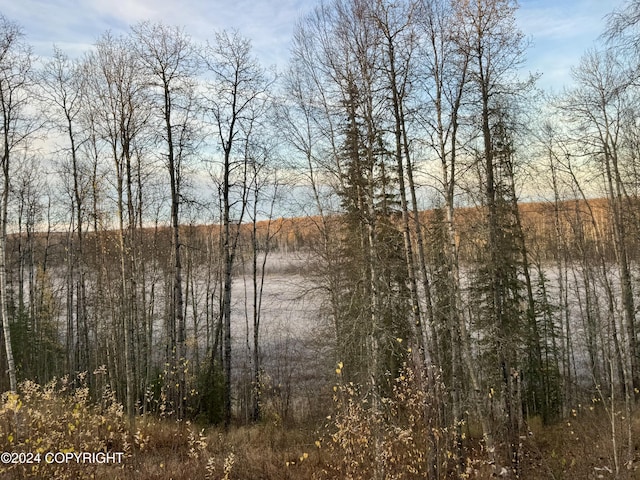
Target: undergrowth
[
  {"x": 40, "y": 425},
  {"x": 399, "y": 436}
]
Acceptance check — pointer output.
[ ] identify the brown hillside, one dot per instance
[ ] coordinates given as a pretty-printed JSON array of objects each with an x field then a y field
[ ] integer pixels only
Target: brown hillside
[{"x": 583, "y": 227}]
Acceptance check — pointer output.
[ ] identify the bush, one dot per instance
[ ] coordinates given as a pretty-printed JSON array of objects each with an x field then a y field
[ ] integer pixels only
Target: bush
[
  {"x": 394, "y": 437},
  {"x": 41, "y": 421}
]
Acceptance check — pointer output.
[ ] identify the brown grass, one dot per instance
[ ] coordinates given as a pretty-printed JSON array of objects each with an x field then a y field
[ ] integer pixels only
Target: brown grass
[{"x": 57, "y": 417}]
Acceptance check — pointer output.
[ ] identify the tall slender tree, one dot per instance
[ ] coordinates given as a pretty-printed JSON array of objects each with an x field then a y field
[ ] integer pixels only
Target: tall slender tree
[
  {"x": 236, "y": 101},
  {"x": 169, "y": 60},
  {"x": 63, "y": 90},
  {"x": 445, "y": 70},
  {"x": 495, "y": 47},
  {"x": 122, "y": 114},
  {"x": 598, "y": 106},
  {"x": 15, "y": 128}
]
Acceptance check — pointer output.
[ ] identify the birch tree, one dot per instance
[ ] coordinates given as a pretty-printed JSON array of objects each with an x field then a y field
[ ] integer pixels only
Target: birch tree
[
  {"x": 495, "y": 47},
  {"x": 445, "y": 69},
  {"x": 63, "y": 91},
  {"x": 122, "y": 114},
  {"x": 170, "y": 63},
  {"x": 15, "y": 128},
  {"x": 236, "y": 101}
]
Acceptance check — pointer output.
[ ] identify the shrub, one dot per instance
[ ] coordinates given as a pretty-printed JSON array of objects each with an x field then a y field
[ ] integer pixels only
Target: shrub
[
  {"x": 394, "y": 437},
  {"x": 41, "y": 421}
]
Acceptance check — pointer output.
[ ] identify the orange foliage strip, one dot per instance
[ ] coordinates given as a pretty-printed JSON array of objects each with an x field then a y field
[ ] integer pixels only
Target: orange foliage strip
[{"x": 584, "y": 224}]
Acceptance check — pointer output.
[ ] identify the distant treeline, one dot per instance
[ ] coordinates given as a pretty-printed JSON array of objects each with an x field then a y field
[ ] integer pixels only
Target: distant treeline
[{"x": 584, "y": 227}]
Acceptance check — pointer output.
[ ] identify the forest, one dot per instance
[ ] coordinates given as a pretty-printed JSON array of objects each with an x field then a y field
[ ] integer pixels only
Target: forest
[{"x": 396, "y": 258}]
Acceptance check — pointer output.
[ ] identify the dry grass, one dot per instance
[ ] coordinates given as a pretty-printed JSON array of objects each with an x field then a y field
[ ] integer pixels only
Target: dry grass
[
  {"x": 58, "y": 418},
  {"x": 181, "y": 451},
  {"x": 581, "y": 447},
  {"x": 397, "y": 441}
]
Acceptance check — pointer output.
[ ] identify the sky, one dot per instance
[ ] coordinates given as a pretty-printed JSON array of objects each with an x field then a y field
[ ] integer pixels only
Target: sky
[{"x": 560, "y": 30}]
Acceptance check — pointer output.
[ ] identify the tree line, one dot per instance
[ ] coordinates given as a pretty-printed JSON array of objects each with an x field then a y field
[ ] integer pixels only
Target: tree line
[{"x": 384, "y": 109}]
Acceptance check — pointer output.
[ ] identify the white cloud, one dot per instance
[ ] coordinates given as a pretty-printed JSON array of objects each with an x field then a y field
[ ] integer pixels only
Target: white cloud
[
  {"x": 557, "y": 21},
  {"x": 76, "y": 25},
  {"x": 561, "y": 31}
]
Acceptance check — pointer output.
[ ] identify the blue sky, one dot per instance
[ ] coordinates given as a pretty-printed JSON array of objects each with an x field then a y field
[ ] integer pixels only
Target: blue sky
[{"x": 561, "y": 30}]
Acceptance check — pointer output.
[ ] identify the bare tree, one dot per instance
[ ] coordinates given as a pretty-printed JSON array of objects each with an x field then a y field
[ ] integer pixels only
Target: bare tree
[
  {"x": 445, "y": 75},
  {"x": 399, "y": 28},
  {"x": 600, "y": 109},
  {"x": 15, "y": 128},
  {"x": 61, "y": 84},
  {"x": 265, "y": 187},
  {"x": 236, "y": 100},
  {"x": 169, "y": 60},
  {"x": 117, "y": 84}
]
